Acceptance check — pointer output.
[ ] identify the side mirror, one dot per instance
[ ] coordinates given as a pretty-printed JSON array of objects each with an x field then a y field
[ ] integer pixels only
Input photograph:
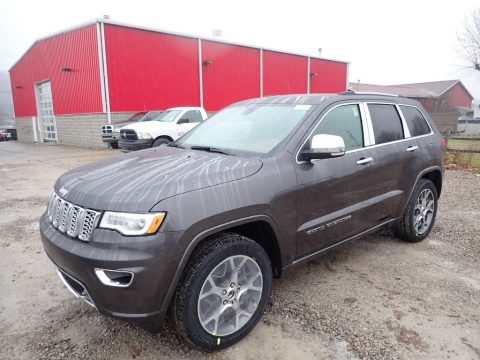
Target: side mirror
[
  {"x": 323, "y": 146},
  {"x": 183, "y": 121}
]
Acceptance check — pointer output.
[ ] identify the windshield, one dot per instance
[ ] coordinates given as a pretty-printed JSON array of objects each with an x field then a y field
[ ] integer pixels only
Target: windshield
[
  {"x": 256, "y": 128},
  {"x": 168, "y": 116},
  {"x": 137, "y": 117},
  {"x": 151, "y": 115}
]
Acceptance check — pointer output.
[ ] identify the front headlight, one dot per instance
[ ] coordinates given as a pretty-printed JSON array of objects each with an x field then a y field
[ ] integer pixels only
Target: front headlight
[
  {"x": 132, "y": 224},
  {"x": 116, "y": 130},
  {"x": 142, "y": 135}
]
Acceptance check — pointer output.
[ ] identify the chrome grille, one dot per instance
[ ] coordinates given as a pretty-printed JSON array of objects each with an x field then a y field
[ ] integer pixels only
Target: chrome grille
[{"x": 71, "y": 219}]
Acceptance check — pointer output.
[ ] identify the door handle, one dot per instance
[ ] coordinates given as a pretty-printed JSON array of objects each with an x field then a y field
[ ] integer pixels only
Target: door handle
[
  {"x": 412, "y": 148},
  {"x": 364, "y": 161}
]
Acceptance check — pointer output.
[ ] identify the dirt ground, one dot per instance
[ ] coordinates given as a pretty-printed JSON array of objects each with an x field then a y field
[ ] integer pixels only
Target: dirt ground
[{"x": 376, "y": 298}]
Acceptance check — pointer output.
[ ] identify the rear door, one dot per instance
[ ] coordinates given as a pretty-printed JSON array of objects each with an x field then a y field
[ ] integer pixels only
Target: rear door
[{"x": 394, "y": 157}]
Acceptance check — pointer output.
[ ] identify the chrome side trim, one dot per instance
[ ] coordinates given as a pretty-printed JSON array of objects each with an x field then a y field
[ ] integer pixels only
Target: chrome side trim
[
  {"x": 356, "y": 236},
  {"x": 367, "y": 114},
  {"x": 85, "y": 298},
  {"x": 406, "y": 130}
]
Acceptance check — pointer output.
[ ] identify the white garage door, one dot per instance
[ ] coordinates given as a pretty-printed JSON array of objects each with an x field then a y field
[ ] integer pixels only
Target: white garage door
[{"x": 45, "y": 111}]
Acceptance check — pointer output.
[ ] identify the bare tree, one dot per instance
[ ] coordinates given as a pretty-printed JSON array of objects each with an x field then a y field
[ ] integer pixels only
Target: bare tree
[{"x": 469, "y": 40}]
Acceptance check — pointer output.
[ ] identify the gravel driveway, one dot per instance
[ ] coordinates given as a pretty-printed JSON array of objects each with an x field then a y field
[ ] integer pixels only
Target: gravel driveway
[{"x": 376, "y": 298}]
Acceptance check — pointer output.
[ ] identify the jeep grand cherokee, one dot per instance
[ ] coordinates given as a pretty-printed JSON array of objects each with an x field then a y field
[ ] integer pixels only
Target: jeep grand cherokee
[{"x": 202, "y": 225}]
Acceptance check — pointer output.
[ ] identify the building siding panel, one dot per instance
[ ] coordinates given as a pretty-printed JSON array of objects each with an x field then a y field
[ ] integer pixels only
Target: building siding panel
[
  {"x": 77, "y": 91},
  {"x": 327, "y": 76},
  {"x": 458, "y": 96},
  {"x": 230, "y": 73},
  {"x": 284, "y": 73},
  {"x": 149, "y": 70}
]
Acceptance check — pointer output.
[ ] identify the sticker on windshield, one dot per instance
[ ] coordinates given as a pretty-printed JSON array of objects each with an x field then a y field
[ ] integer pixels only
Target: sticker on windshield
[{"x": 302, "y": 107}]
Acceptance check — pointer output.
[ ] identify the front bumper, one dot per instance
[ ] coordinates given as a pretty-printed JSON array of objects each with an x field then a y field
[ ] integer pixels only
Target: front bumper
[
  {"x": 110, "y": 138},
  {"x": 126, "y": 146},
  {"x": 152, "y": 259}
]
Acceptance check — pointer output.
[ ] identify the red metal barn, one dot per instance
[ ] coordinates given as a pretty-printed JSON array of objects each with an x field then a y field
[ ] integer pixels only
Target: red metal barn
[{"x": 66, "y": 86}]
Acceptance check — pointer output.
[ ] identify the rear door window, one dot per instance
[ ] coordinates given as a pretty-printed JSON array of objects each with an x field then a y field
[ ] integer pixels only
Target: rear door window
[
  {"x": 415, "y": 121},
  {"x": 387, "y": 125}
]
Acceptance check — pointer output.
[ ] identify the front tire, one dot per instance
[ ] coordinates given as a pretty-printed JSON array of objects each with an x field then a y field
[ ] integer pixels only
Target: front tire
[
  {"x": 223, "y": 292},
  {"x": 161, "y": 141},
  {"x": 419, "y": 216}
]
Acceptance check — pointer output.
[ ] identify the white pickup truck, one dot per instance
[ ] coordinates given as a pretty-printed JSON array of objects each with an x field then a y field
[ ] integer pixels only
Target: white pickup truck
[{"x": 165, "y": 128}]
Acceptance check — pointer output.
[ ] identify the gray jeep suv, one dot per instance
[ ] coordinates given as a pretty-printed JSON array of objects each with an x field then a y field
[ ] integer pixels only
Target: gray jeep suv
[{"x": 202, "y": 225}]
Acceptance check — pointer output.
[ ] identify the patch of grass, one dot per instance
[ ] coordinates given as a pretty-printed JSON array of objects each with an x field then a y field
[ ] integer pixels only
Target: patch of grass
[
  {"x": 461, "y": 159},
  {"x": 461, "y": 144}
]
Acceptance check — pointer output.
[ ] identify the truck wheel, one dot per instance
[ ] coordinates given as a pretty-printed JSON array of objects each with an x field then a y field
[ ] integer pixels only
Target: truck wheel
[
  {"x": 114, "y": 145},
  {"x": 419, "y": 216},
  {"x": 223, "y": 292},
  {"x": 160, "y": 141}
]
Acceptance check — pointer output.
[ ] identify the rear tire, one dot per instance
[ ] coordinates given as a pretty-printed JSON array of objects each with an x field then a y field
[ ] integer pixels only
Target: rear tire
[
  {"x": 419, "y": 216},
  {"x": 223, "y": 292},
  {"x": 161, "y": 141}
]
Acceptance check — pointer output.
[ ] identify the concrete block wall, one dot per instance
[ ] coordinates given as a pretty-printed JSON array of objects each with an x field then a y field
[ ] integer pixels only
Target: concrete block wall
[
  {"x": 24, "y": 129},
  {"x": 121, "y": 116},
  {"x": 77, "y": 129},
  {"x": 81, "y": 129}
]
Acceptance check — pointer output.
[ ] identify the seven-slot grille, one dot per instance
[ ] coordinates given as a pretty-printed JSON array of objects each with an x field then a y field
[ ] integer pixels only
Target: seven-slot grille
[
  {"x": 127, "y": 134},
  {"x": 71, "y": 219},
  {"x": 107, "y": 129}
]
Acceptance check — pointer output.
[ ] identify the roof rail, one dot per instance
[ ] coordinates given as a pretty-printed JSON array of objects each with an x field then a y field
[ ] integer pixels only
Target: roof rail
[{"x": 354, "y": 92}]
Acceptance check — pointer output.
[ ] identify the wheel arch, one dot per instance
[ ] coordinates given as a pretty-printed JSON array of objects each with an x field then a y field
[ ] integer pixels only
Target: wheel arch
[
  {"x": 169, "y": 138},
  {"x": 435, "y": 173},
  {"x": 259, "y": 228},
  {"x": 435, "y": 176}
]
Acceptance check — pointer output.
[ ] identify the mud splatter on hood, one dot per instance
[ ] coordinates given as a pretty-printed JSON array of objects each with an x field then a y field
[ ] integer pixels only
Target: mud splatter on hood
[{"x": 135, "y": 182}]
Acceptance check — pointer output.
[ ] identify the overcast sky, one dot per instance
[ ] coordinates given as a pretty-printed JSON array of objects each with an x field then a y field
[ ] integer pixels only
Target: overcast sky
[{"x": 386, "y": 42}]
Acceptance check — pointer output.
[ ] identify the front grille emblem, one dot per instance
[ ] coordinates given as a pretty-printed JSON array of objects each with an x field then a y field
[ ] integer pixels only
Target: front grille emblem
[{"x": 63, "y": 191}]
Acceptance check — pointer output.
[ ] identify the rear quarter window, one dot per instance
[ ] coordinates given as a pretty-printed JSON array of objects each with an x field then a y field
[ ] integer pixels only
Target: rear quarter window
[
  {"x": 415, "y": 121},
  {"x": 387, "y": 125}
]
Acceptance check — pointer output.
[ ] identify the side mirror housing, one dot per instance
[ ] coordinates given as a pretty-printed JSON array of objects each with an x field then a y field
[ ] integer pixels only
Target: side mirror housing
[
  {"x": 324, "y": 146},
  {"x": 183, "y": 121}
]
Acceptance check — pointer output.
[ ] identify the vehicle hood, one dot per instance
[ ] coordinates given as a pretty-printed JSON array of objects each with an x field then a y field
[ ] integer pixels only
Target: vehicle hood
[
  {"x": 135, "y": 182},
  {"x": 122, "y": 124},
  {"x": 150, "y": 126}
]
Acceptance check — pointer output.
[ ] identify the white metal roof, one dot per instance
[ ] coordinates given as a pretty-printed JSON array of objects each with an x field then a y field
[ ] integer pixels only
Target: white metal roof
[{"x": 146, "y": 28}]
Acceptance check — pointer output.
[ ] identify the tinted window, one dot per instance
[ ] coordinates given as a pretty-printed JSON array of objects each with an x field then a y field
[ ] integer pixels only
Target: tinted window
[
  {"x": 193, "y": 116},
  {"x": 387, "y": 125},
  {"x": 415, "y": 121},
  {"x": 344, "y": 121}
]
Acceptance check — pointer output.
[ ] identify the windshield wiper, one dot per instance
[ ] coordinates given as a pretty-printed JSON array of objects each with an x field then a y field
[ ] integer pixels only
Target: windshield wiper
[
  {"x": 176, "y": 145},
  {"x": 209, "y": 149}
]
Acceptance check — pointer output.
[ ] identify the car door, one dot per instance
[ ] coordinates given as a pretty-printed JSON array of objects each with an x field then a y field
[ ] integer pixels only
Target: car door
[
  {"x": 394, "y": 162},
  {"x": 331, "y": 191},
  {"x": 188, "y": 121}
]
